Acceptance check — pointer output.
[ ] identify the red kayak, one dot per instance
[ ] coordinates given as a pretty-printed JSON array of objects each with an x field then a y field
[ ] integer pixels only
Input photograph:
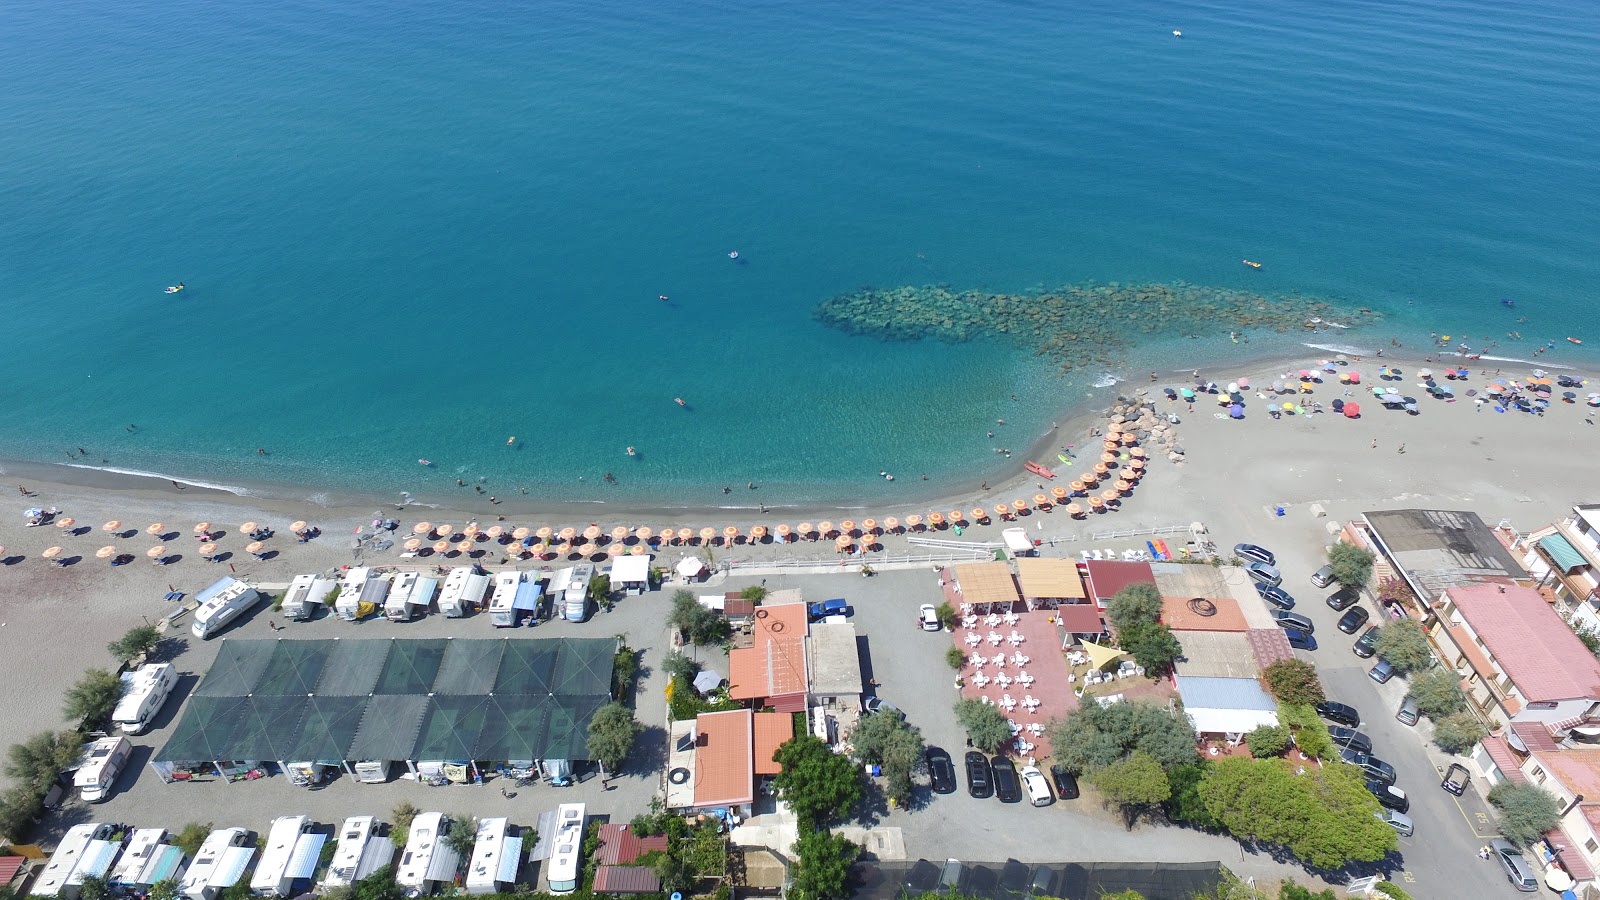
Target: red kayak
[{"x": 1039, "y": 470}]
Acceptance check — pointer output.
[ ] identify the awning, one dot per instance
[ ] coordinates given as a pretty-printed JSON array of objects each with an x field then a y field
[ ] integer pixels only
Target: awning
[
  {"x": 442, "y": 864},
  {"x": 230, "y": 868},
  {"x": 96, "y": 859},
  {"x": 690, "y": 566},
  {"x": 163, "y": 866},
  {"x": 1100, "y": 656},
  {"x": 303, "y": 861},
  {"x": 1562, "y": 553},
  {"x": 510, "y": 860},
  {"x": 528, "y": 593},
  {"x": 630, "y": 570}
]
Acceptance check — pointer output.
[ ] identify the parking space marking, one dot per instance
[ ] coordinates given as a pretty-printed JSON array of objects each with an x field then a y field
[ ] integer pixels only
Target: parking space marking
[
  {"x": 1408, "y": 877},
  {"x": 1474, "y": 820}
]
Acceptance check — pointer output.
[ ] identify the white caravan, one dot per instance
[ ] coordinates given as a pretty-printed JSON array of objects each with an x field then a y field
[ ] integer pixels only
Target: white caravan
[
  {"x": 146, "y": 691},
  {"x": 463, "y": 589},
  {"x": 101, "y": 764},
  {"x": 306, "y": 594},
  {"x": 566, "y": 849},
  {"x": 147, "y": 859},
  {"x": 410, "y": 597},
  {"x": 219, "y": 864},
  {"x": 274, "y": 875},
  {"x": 502, "y": 603},
  {"x": 496, "y": 858},
  {"x": 427, "y": 862},
  {"x": 52, "y": 882},
  {"x": 351, "y": 589},
  {"x": 360, "y": 853},
  {"x": 220, "y": 604}
]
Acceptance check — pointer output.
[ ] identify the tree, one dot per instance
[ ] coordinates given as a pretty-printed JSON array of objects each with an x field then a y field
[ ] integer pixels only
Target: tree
[
  {"x": 400, "y": 819},
  {"x": 166, "y": 889},
  {"x": 676, "y": 666},
  {"x": 753, "y": 592},
  {"x": 986, "y": 725},
  {"x": 40, "y": 759},
  {"x": 1135, "y": 783},
  {"x": 1310, "y": 732},
  {"x": 702, "y": 625},
  {"x": 611, "y": 735},
  {"x": 92, "y": 699},
  {"x": 1527, "y": 811},
  {"x": 818, "y": 784},
  {"x": 823, "y": 868},
  {"x": 1185, "y": 804},
  {"x": 1324, "y": 815},
  {"x": 884, "y": 739},
  {"x": 1136, "y": 604},
  {"x": 190, "y": 837},
  {"x": 1438, "y": 693},
  {"x": 462, "y": 835},
  {"x": 1153, "y": 646},
  {"x": 1294, "y": 681},
  {"x": 1095, "y": 736},
  {"x": 1457, "y": 732},
  {"x": 139, "y": 641},
  {"x": 954, "y": 656},
  {"x": 625, "y": 667},
  {"x": 20, "y": 805},
  {"x": 1267, "y": 741},
  {"x": 379, "y": 885},
  {"x": 1352, "y": 566},
  {"x": 1404, "y": 645},
  {"x": 946, "y": 614},
  {"x": 1586, "y": 633},
  {"x": 1291, "y": 891},
  {"x": 94, "y": 887}
]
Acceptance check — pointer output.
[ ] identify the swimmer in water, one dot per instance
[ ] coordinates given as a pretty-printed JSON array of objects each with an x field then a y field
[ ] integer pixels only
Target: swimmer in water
[
  {"x": 631, "y": 452},
  {"x": 679, "y": 401},
  {"x": 511, "y": 441},
  {"x": 733, "y": 254}
]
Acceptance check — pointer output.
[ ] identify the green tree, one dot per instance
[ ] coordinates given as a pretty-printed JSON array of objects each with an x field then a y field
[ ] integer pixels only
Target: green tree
[
  {"x": 624, "y": 669},
  {"x": 985, "y": 724},
  {"x": 1291, "y": 891},
  {"x": 884, "y": 739},
  {"x": 1267, "y": 741},
  {"x": 946, "y": 615},
  {"x": 94, "y": 887},
  {"x": 1457, "y": 732},
  {"x": 1094, "y": 736},
  {"x": 676, "y": 665},
  {"x": 1136, "y": 604},
  {"x": 1310, "y": 732},
  {"x": 400, "y": 819},
  {"x": 1404, "y": 645},
  {"x": 463, "y": 833},
  {"x": 1351, "y": 565},
  {"x": 611, "y": 735},
  {"x": 1590, "y": 639},
  {"x": 1153, "y": 646},
  {"x": 1293, "y": 681},
  {"x": 1324, "y": 815},
  {"x": 191, "y": 836},
  {"x": 1527, "y": 811},
  {"x": 40, "y": 759},
  {"x": 753, "y": 592},
  {"x": 91, "y": 700},
  {"x": 818, "y": 784},
  {"x": 166, "y": 889},
  {"x": 20, "y": 805},
  {"x": 380, "y": 885},
  {"x": 823, "y": 865},
  {"x": 1135, "y": 784},
  {"x": 1438, "y": 693},
  {"x": 1185, "y": 804},
  {"x": 701, "y": 625},
  {"x": 954, "y": 656},
  {"x": 139, "y": 641}
]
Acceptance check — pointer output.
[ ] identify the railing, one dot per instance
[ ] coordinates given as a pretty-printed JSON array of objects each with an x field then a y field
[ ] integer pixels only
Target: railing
[
  {"x": 876, "y": 562},
  {"x": 1138, "y": 532},
  {"x": 947, "y": 544}
]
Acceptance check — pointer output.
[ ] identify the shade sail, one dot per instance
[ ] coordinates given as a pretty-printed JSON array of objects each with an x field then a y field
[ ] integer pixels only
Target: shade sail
[{"x": 1101, "y": 656}]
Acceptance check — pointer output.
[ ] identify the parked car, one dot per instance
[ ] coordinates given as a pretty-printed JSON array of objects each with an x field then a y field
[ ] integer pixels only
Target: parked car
[
  {"x": 1456, "y": 779},
  {"x": 1066, "y": 783},
  {"x": 1382, "y": 671},
  {"x": 1375, "y": 767},
  {"x": 1515, "y": 867},
  {"x": 1037, "y": 787},
  {"x": 1322, "y": 577},
  {"x": 980, "y": 778},
  {"x": 1343, "y": 599},
  {"x": 1263, "y": 573},
  {"x": 1252, "y": 553},
  {"x": 835, "y": 607},
  {"x": 1299, "y": 640},
  {"x": 1277, "y": 596},
  {"x": 941, "y": 771},
  {"x": 1408, "y": 713},
  {"x": 1349, "y": 737},
  {"x": 928, "y": 617},
  {"x": 1007, "y": 787},
  {"x": 1398, "y": 821},
  {"x": 1342, "y": 713},
  {"x": 878, "y": 704},
  {"x": 1286, "y": 619},
  {"x": 1367, "y": 645},
  {"x": 1353, "y": 619},
  {"x": 1389, "y": 795}
]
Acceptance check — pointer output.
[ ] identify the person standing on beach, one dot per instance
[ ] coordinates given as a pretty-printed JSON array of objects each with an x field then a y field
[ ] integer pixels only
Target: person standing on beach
[{"x": 1402, "y": 449}]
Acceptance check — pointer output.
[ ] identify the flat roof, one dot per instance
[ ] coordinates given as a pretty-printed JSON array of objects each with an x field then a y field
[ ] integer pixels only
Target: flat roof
[
  {"x": 833, "y": 661},
  {"x": 986, "y": 582},
  {"x": 1079, "y": 618},
  {"x": 627, "y": 569},
  {"x": 1108, "y": 576},
  {"x": 1217, "y": 654},
  {"x": 1226, "y": 705},
  {"x": 1442, "y": 548},
  {"x": 1202, "y": 614},
  {"x": 1189, "y": 580},
  {"x": 1049, "y": 578},
  {"x": 724, "y": 769}
]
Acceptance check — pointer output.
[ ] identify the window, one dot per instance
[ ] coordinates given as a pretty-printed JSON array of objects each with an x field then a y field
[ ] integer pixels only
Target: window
[
  {"x": 1591, "y": 846},
  {"x": 1543, "y": 704},
  {"x": 1538, "y": 773}
]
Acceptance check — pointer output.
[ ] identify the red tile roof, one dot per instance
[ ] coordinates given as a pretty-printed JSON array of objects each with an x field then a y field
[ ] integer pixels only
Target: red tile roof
[
  {"x": 1536, "y": 737},
  {"x": 776, "y": 664},
  {"x": 1540, "y": 652},
  {"x": 1572, "y": 860},
  {"x": 1080, "y": 618},
  {"x": 772, "y": 730},
  {"x": 1106, "y": 576},
  {"x": 9, "y": 867},
  {"x": 620, "y": 846},
  {"x": 1269, "y": 645},
  {"x": 626, "y": 880},
  {"x": 723, "y": 767},
  {"x": 1504, "y": 759}
]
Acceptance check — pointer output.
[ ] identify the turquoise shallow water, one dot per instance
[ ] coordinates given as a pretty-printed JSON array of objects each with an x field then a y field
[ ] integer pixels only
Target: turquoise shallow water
[{"x": 415, "y": 230}]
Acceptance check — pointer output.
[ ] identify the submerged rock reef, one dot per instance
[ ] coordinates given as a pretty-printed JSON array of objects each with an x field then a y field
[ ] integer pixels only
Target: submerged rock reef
[{"x": 1077, "y": 324}]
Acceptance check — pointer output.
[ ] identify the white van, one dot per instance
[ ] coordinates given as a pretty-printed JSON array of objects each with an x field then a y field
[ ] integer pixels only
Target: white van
[
  {"x": 306, "y": 594},
  {"x": 101, "y": 764},
  {"x": 222, "y": 603},
  {"x": 219, "y": 864},
  {"x": 275, "y": 874},
  {"x": 146, "y": 691},
  {"x": 463, "y": 589},
  {"x": 502, "y": 603},
  {"x": 428, "y": 861},
  {"x": 52, "y": 881},
  {"x": 496, "y": 857}
]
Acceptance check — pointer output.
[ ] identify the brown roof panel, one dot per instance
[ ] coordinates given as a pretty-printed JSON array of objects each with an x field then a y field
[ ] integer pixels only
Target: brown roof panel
[
  {"x": 1049, "y": 578},
  {"x": 626, "y": 880},
  {"x": 723, "y": 764},
  {"x": 987, "y": 582},
  {"x": 772, "y": 730}
]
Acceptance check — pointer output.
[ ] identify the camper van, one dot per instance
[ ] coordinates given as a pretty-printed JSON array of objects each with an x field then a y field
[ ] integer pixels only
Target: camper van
[
  {"x": 147, "y": 859},
  {"x": 101, "y": 764},
  {"x": 287, "y": 845},
  {"x": 410, "y": 597},
  {"x": 223, "y": 602},
  {"x": 52, "y": 881},
  {"x": 428, "y": 861},
  {"x": 496, "y": 856},
  {"x": 463, "y": 590},
  {"x": 94, "y": 863},
  {"x": 351, "y": 589},
  {"x": 360, "y": 852},
  {"x": 306, "y": 594},
  {"x": 575, "y": 600},
  {"x": 218, "y": 865},
  {"x": 146, "y": 691},
  {"x": 566, "y": 849},
  {"x": 502, "y": 603}
]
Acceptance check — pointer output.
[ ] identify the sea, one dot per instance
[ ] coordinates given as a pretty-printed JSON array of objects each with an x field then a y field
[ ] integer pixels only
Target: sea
[{"x": 497, "y": 236}]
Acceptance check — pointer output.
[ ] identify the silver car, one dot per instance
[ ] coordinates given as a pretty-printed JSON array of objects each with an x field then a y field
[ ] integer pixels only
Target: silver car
[
  {"x": 1399, "y": 821},
  {"x": 1516, "y": 868},
  {"x": 1322, "y": 577},
  {"x": 1264, "y": 574}
]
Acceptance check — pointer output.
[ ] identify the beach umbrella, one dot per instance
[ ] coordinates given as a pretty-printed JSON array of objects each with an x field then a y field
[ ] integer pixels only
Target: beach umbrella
[
  {"x": 842, "y": 541},
  {"x": 563, "y": 548},
  {"x": 68, "y": 522},
  {"x": 157, "y": 528},
  {"x": 207, "y": 550},
  {"x": 112, "y": 525},
  {"x": 106, "y": 552},
  {"x": 1108, "y": 457},
  {"x": 1236, "y": 411},
  {"x": 1060, "y": 493},
  {"x": 1352, "y": 410},
  {"x": 1424, "y": 373},
  {"x": 1233, "y": 387},
  {"x": 956, "y": 517},
  {"x": 1002, "y": 509},
  {"x": 544, "y": 533},
  {"x": 978, "y": 515},
  {"x": 637, "y": 550},
  {"x": 869, "y": 525},
  {"x": 804, "y": 528},
  {"x": 1096, "y": 504},
  {"x": 471, "y": 530},
  {"x": 935, "y": 519},
  {"x": 1019, "y": 504},
  {"x": 1137, "y": 465},
  {"x": 1076, "y": 486},
  {"x": 620, "y": 533},
  {"x": 1129, "y": 439},
  {"x": 441, "y": 547},
  {"x": 495, "y": 531},
  {"x": 684, "y": 535},
  {"x": 1101, "y": 469},
  {"x": 1355, "y": 377},
  {"x": 645, "y": 533},
  {"x": 465, "y": 546},
  {"x": 413, "y": 545},
  {"x": 521, "y": 532},
  {"x": 422, "y": 528},
  {"x": 758, "y": 531},
  {"x": 1041, "y": 501},
  {"x": 1288, "y": 407},
  {"x": 1188, "y": 393},
  {"x": 1111, "y": 443},
  {"x": 444, "y": 531},
  {"x": 783, "y": 532},
  {"x": 52, "y": 553},
  {"x": 730, "y": 534},
  {"x": 255, "y": 548},
  {"x": 156, "y": 552},
  {"x": 202, "y": 528},
  {"x": 1122, "y": 487},
  {"x": 592, "y": 532},
  {"x": 824, "y": 528},
  {"x": 707, "y": 535},
  {"x": 891, "y": 524},
  {"x": 1074, "y": 510},
  {"x": 1568, "y": 396},
  {"x": 298, "y": 527},
  {"x": 848, "y": 526},
  {"x": 567, "y": 534},
  {"x": 249, "y": 527},
  {"x": 1472, "y": 392}
]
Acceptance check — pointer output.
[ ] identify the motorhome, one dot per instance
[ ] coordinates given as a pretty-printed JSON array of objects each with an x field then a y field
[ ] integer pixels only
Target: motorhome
[
  {"x": 566, "y": 849},
  {"x": 52, "y": 881},
  {"x": 410, "y": 597},
  {"x": 223, "y": 602},
  {"x": 574, "y": 592},
  {"x": 147, "y": 859},
  {"x": 496, "y": 857},
  {"x": 428, "y": 861},
  {"x": 502, "y": 603},
  {"x": 306, "y": 595},
  {"x": 145, "y": 692},
  {"x": 463, "y": 591},
  {"x": 352, "y": 593},
  {"x": 218, "y": 865},
  {"x": 94, "y": 863},
  {"x": 360, "y": 852},
  {"x": 101, "y": 764},
  {"x": 276, "y": 872}
]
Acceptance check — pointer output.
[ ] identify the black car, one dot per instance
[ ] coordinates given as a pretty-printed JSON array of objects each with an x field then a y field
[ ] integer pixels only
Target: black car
[
  {"x": 1456, "y": 779},
  {"x": 1375, "y": 767},
  {"x": 1389, "y": 795},
  {"x": 1277, "y": 596},
  {"x": 980, "y": 778},
  {"x": 1253, "y": 553},
  {"x": 1299, "y": 640},
  {"x": 1066, "y": 783},
  {"x": 941, "y": 771},
  {"x": 1350, "y": 738},
  {"x": 1353, "y": 619},
  {"x": 1007, "y": 786},
  {"x": 1367, "y": 645},
  {"x": 1343, "y": 599},
  {"x": 1342, "y": 713}
]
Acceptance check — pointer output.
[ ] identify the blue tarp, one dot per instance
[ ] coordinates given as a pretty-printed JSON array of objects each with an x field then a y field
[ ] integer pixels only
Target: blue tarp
[{"x": 528, "y": 593}]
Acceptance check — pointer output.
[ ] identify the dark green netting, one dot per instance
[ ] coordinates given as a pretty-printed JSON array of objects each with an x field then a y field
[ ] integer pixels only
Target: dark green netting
[
  {"x": 389, "y": 727},
  {"x": 294, "y": 669},
  {"x": 237, "y": 668},
  {"x": 328, "y": 729},
  {"x": 567, "y": 728},
  {"x": 451, "y": 728},
  {"x": 206, "y": 731},
  {"x": 352, "y": 668},
  {"x": 583, "y": 666},
  {"x": 469, "y": 667},
  {"x": 528, "y": 667},
  {"x": 412, "y": 667},
  {"x": 268, "y": 727},
  {"x": 514, "y": 728}
]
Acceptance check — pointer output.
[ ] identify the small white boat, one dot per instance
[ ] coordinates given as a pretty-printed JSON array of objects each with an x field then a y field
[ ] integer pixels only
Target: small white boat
[
  {"x": 1177, "y": 33},
  {"x": 175, "y": 288}
]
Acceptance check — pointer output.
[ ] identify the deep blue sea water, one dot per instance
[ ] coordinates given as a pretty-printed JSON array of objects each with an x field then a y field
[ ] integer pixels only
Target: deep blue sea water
[{"x": 414, "y": 230}]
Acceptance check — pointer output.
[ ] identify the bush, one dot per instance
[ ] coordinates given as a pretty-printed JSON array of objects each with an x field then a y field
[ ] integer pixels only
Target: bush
[
  {"x": 624, "y": 669},
  {"x": 20, "y": 805},
  {"x": 190, "y": 837},
  {"x": 91, "y": 700},
  {"x": 1438, "y": 693},
  {"x": 1392, "y": 889},
  {"x": 1527, "y": 811},
  {"x": 676, "y": 666},
  {"x": 39, "y": 760},
  {"x": 754, "y": 592},
  {"x": 1267, "y": 740},
  {"x": 1135, "y": 783},
  {"x": 1095, "y": 736},
  {"x": 986, "y": 725},
  {"x": 1293, "y": 681},
  {"x": 139, "y": 641},
  {"x": 1351, "y": 565},
  {"x": 1404, "y": 645},
  {"x": 1185, "y": 804},
  {"x": 946, "y": 615},
  {"x": 400, "y": 819},
  {"x": 1310, "y": 732},
  {"x": 954, "y": 657},
  {"x": 1457, "y": 732},
  {"x": 462, "y": 835},
  {"x": 701, "y": 625}
]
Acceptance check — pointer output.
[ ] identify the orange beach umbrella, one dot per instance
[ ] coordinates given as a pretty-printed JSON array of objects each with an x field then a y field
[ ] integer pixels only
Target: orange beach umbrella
[
  {"x": 957, "y": 515},
  {"x": 414, "y": 545},
  {"x": 935, "y": 519},
  {"x": 471, "y": 529},
  {"x": 464, "y": 546},
  {"x": 68, "y": 522},
  {"x": 620, "y": 533},
  {"x": 1059, "y": 493},
  {"x": 1074, "y": 510},
  {"x": 843, "y": 541},
  {"x": 637, "y": 550},
  {"x": 645, "y": 533},
  {"x": 249, "y": 527},
  {"x": 1108, "y": 496},
  {"x": 520, "y": 532},
  {"x": 804, "y": 528},
  {"x": 824, "y": 527},
  {"x": 729, "y": 533},
  {"x": 444, "y": 531},
  {"x": 297, "y": 527},
  {"x": 978, "y": 515},
  {"x": 112, "y": 525},
  {"x": 1129, "y": 439},
  {"x": 783, "y": 531},
  {"x": 1041, "y": 500},
  {"x": 207, "y": 550},
  {"x": 913, "y": 520},
  {"x": 848, "y": 527},
  {"x": 758, "y": 531},
  {"x": 106, "y": 552},
  {"x": 891, "y": 523},
  {"x": 543, "y": 533},
  {"x": 202, "y": 528},
  {"x": 870, "y": 526},
  {"x": 684, "y": 534},
  {"x": 422, "y": 528},
  {"x": 495, "y": 531},
  {"x": 54, "y": 552},
  {"x": 154, "y": 552},
  {"x": 255, "y": 548},
  {"x": 567, "y": 534},
  {"x": 157, "y": 528},
  {"x": 592, "y": 532},
  {"x": 441, "y": 547},
  {"x": 1019, "y": 504},
  {"x": 708, "y": 534},
  {"x": 1096, "y": 504}
]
